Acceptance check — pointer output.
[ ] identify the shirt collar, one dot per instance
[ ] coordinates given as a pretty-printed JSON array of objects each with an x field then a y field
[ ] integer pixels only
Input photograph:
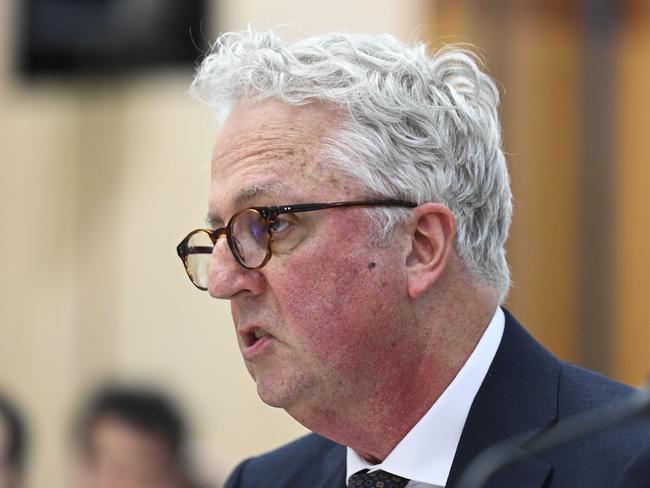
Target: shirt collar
[{"x": 426, "y": 453}]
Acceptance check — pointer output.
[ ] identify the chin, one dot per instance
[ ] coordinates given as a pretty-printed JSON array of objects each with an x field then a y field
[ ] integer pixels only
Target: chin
[
  {"x": 273, "y": 398},
  {"x": 284, "y": 389},
  {"x": 283, "y": 394}
]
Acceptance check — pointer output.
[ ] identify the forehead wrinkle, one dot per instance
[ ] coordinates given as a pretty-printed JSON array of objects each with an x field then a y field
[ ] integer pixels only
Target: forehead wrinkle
[
  {"x": 234, "y": 157},
  {"x": 271, "y": 189},
  {"x": 261, "y": 149}
]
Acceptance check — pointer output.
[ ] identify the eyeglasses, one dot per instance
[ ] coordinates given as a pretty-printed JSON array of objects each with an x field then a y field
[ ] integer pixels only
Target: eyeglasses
[{"x": 250, "y": 235}]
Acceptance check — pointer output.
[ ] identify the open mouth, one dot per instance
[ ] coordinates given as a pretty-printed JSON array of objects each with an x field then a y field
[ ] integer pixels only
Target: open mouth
[{"x": 250, "y": 338}]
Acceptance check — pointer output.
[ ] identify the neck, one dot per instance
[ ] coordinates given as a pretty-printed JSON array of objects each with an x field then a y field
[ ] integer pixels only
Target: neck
[
  {"x": 374, "y": 417},
  {"x": 372, "y": 422}
]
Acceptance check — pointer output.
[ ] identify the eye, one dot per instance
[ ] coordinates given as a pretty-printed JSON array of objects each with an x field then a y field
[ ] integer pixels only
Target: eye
[{"x": 281, "y": 224}]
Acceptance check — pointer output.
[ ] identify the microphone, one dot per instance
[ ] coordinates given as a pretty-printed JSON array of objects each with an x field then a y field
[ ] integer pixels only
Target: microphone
[{"x": 504, "y": 453}]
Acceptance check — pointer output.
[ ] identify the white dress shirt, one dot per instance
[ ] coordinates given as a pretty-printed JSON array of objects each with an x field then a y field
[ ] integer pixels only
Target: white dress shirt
[{"x": 425, "y": 454}]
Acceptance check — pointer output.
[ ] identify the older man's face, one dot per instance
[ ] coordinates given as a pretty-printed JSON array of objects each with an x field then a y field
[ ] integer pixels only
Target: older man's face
[{"x": 331, "y": 304}]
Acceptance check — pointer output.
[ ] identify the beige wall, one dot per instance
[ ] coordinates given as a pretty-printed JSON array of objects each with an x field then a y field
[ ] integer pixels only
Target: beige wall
[{"x": 99, "y": 182}]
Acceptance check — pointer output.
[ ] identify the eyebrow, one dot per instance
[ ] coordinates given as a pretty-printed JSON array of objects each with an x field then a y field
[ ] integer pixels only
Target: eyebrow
[{"x": 245, "y": 196}]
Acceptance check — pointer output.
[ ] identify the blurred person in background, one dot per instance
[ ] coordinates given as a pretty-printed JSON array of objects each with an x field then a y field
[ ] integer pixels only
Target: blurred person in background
[
  {"x": 13, "y": 445},
  {"x": 129, "y": 437},
  {"x": 363, "y": 197}
]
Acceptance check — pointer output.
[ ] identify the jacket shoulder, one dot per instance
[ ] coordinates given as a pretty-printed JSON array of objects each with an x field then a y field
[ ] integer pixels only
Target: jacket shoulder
[
  {"x": 581, "y": 390},
  {"x": 303, "y": 462},
  {"x": 529, "y": 390},
  {"x": 614, "y": 456}
]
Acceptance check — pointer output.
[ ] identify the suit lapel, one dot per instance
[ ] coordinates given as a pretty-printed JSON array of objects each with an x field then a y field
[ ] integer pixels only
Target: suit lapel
[
  {"x": 517, "y": 399},
  {"x": 529, "y": 471}
]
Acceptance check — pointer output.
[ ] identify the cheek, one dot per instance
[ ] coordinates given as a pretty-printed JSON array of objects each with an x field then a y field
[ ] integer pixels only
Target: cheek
[{"x": 335, "y": 304}]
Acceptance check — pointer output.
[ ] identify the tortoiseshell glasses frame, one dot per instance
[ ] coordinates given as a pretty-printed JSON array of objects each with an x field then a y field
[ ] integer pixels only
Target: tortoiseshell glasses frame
[{"x": 252, "y": 229}]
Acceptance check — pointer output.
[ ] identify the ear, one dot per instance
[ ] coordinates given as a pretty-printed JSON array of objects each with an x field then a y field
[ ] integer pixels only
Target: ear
[{"x": 432, "y": 239}]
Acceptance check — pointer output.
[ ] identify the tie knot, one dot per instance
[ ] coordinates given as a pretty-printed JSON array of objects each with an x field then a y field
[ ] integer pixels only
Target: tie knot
[{"x": 376, "y": 479}]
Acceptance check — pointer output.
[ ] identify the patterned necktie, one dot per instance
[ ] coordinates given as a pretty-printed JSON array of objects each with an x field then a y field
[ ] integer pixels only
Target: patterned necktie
[{"x": 376, "y": 479}]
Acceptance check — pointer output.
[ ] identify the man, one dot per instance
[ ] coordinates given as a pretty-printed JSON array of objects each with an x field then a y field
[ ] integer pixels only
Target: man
[
  {"x": 130, "y": 438},
  {"x": 363, "y": 196},
  {"x": 13, "y": 445}
]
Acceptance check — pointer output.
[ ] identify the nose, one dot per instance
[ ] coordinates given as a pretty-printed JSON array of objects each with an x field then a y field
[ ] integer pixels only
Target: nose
[{"x": 227, "y": 278}]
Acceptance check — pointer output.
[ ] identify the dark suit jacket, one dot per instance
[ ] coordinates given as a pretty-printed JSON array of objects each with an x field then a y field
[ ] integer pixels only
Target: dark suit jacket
[{"x": 526, "y": 389}]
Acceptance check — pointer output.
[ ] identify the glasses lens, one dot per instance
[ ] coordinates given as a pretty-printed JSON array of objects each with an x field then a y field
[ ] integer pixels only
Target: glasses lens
[
  {"x": 199, "y": 256},
  {"x": 250, "y": 237}
]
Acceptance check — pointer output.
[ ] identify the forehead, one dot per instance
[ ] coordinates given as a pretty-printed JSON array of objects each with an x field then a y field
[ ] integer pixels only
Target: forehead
[
  {"x": 269, "y": 149},
  {"x": 117, "y": 436}
]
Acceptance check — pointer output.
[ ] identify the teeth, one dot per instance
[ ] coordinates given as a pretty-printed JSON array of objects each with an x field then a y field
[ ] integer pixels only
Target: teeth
[{"x": 259, "y": 333}]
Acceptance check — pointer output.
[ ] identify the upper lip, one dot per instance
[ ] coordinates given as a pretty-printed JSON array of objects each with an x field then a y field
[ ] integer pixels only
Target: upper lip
[{"x": 247, "y": 334}]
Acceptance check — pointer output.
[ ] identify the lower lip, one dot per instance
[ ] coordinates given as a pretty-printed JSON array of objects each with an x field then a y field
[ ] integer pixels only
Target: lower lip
[{"x": 258, "y": 348}]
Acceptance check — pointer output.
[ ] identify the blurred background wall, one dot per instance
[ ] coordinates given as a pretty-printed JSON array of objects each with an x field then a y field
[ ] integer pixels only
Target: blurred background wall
[{"x": 103, "y": 175}]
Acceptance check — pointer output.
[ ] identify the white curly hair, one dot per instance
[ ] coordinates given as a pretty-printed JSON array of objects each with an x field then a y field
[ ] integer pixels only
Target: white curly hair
[{"x": 420, "y": 127}]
